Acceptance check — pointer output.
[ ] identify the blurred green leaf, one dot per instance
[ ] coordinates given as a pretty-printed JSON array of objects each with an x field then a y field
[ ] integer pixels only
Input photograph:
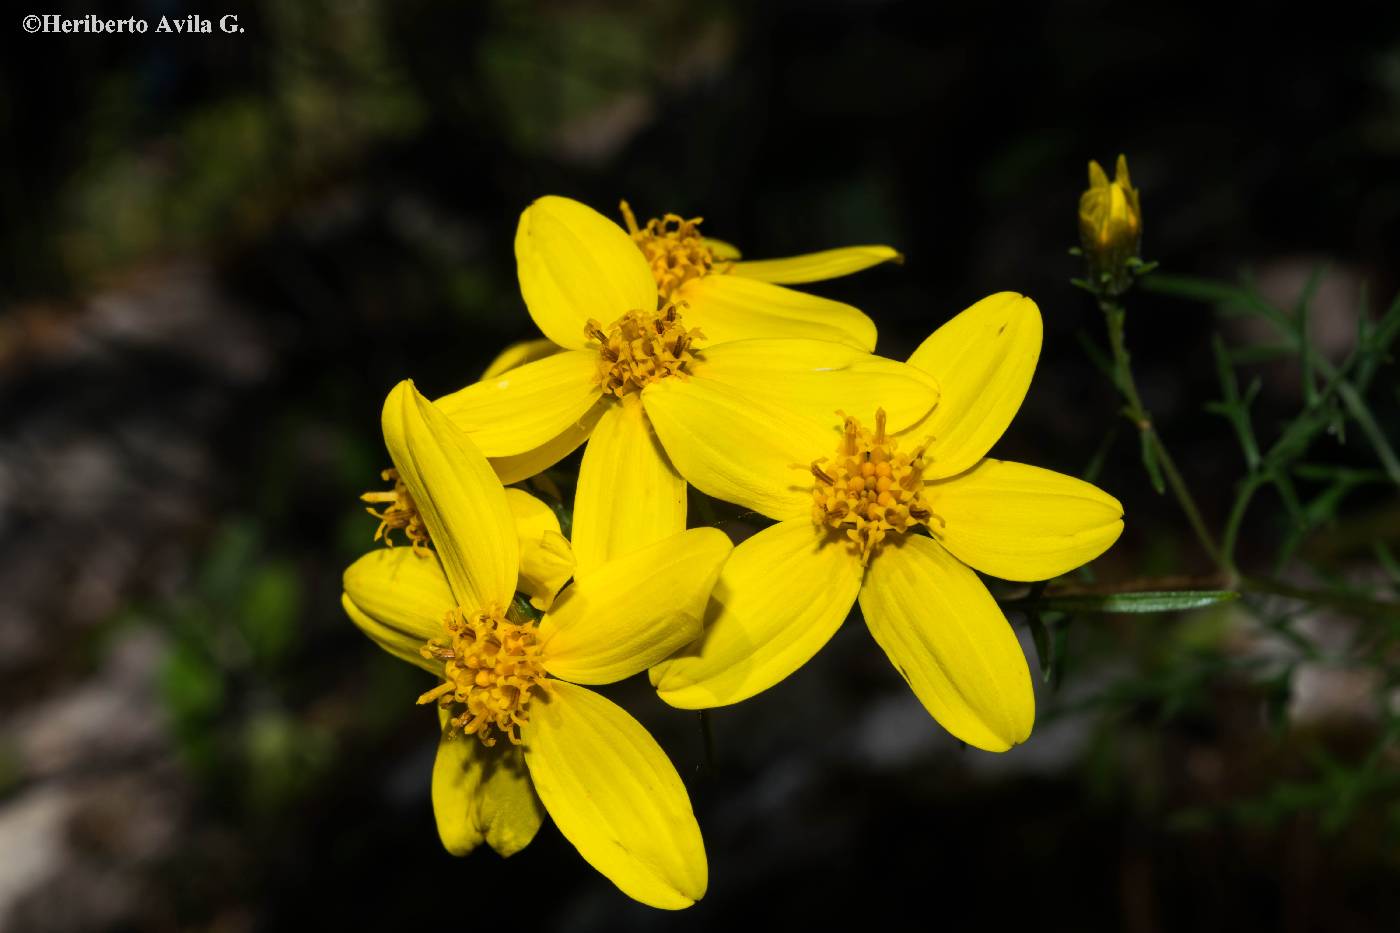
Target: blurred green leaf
[
  {"x": 1388, "y": 561},
  {"x": 1096, "y": 356},
  {"x": 1235, "y": 407},
  {"x": 1210, "y": 291},
  {"x": 1149, "y": 460},
  {"x": 268, "y": 612},
  {"x": 283, "y": 760},
  {"x": 1100, "y": 456},
  {"x": 192, "y": 685},
  {"x": 1154, "y": 601},
  {"x": 1041, "y": 635},
  {"x": 1363, "y": 417},
  {"x": 1059, "y": 653}
]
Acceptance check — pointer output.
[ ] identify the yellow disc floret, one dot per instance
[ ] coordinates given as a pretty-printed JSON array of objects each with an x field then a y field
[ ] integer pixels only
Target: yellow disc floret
[
  {"x": 399, "y": 514},
  {"x": 641, "y": 347},
  {"x": 492, "y": 669},
  {"x": 674, "y": 249},
  {"x": 870, "y": 489}
]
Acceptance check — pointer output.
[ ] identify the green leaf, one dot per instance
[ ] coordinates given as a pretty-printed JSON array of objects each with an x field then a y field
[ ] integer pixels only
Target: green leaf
[
  {"x": 269, "y": 610},
  {"x": 1144, "y": 602},
  {"x": 1041, "y": 635},
  {"x": 1376, "y": 341},
  {"x": 1096, "y": 462},
  {"x": 191, "y": 685},
  {"x": 1149, "y": 460},
  {"x": 1328, "y": 472},
  {"x": 1230, "y": 298},
  {"x": 1306, "y": 350},
  {"x": 1362, "y": 415},
  {"x": 1387, "y": 560},
  {"x": 1235, "y": 408},
  {"x": 1059, "y": 652},
  {"x": 527, "y": 611},
  {"x": 1096, "y": 356},
  {"x": 1261, "y": 353}
]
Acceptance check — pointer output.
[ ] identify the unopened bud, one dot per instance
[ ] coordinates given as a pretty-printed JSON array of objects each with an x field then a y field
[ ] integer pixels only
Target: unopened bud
[{"x": 1110, "y": 226}]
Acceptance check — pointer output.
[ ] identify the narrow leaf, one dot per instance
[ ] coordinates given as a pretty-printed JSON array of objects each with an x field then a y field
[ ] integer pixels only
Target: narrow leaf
[
  {"x": 1149, "y": 460},
  {"x": 1357, "y": 407},
  {"x": 1144, "y": 602}
]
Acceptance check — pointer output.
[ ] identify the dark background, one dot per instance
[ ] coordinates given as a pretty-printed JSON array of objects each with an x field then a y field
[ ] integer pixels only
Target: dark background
[{"x": 218, "y": 253}]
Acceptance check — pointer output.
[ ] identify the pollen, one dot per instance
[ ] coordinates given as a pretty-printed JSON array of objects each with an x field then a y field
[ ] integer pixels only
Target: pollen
[
  {"x": 642, "y": 347},
  {"x": 674, "y": 249},
  {"x": 492, "y": 669},
  {"x": 398, "y": 514},
  {"x": 871, "y": 489}
]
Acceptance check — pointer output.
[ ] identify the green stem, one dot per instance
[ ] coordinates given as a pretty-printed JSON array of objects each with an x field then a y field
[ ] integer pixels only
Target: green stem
[
  {"x": 1137, "y": 413},
  {"x": 1250, "y": 486},
  {"x": 1359, "y": 605}
]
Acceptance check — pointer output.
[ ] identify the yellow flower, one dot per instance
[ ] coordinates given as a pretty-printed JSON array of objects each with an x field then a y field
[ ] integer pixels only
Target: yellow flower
[
  {"x": 1110, "y": 221},
  {"x": 846, "y": 522},
  {"x": 594, "y": 381},
  {"x": 690, "y": 267},
  {"x": 606, "y": 783}
]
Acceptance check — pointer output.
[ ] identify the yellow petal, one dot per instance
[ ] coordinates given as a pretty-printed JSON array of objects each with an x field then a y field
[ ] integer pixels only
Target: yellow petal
[
  {"x": 947, "y": 637},
  {"x": 1020, "y": 522},
  {"x": 817, "y": 378},
  {"x": 402, "y": 589},
  {"x": 814, "y": 267},
  {"x": 781, "y": 596},
  {"x": 615, "y": 795},
  {"x": 400, "y": 644},
  {"x": 1120, "y": 172},
  {"x": 518, "y": 354},
  {"x": 629, "y": 495},
  {"x": 482, "y": 793},
  {"x": 983, "y": 359},
  {"x": 728, "y": 307},
  {"x": 546, "y": 560},
  {"x": 575, "y": 264},
  {"x": 521, "y": 467},
  {"x": 398, "y": 598},
  {"x": 460, "y": 499},
  {"x": 526, "y": 407},
  {"x": 736, "y": 449},
  {"x": 1097, "y": 178},
  {"x": 621, "y": 618},
  {"x": 721, "y": 249}
]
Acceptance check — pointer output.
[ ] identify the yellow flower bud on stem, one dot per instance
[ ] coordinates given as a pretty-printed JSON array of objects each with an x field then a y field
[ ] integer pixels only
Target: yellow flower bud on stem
[
  {"x": 1110, "y": 229},
  {"x": 1110, "y": 233}
]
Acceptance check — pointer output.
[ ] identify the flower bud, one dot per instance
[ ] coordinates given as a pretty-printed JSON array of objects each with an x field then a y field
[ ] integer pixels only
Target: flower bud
[{"x": 1110, "y": 226}]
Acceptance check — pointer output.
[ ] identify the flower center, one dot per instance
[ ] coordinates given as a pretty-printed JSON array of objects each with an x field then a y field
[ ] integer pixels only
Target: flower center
[
  {"x": 399, "y": 514},
  {"x": 492, "y": 669},
  {"x": 674, "y": 249},
  {"x": 642, "y": 347},
  {"x": 870, "y": 489}
]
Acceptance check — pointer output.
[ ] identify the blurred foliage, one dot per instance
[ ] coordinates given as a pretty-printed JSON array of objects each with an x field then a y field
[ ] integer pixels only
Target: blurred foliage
[
  {"x": 233, "y": 636},
  {"x": 1343, "y": 617}
]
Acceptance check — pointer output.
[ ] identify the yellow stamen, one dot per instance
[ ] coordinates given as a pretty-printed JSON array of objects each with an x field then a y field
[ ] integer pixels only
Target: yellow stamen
[
  {"x": 870, "y": 489},
  {"x": 641, "y": 347},
  {"x": 399, "y": 514},
  {"x": 674, "y": 249},
  {"x": 492, "y": 669}
]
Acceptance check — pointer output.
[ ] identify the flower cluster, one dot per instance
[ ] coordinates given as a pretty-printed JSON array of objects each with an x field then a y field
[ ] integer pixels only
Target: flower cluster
[{"x": 678, "y": 363}]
